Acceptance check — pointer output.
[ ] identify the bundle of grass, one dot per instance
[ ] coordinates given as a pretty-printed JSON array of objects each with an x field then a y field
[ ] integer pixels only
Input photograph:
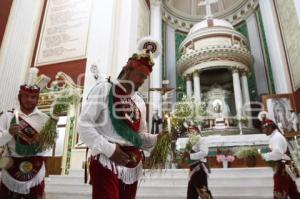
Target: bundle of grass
[
  {"x": 60, "y": 106},
  {"x": 159, "y": 155}
]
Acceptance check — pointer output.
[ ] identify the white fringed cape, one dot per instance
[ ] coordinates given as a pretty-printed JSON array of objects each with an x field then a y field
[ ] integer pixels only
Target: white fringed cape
[
  {"x": 22, "y": 187},
  {"x": 125, "y": 174}
]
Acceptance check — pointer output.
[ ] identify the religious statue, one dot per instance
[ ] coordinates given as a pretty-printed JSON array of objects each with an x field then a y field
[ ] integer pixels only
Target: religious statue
[
  {"x": 217, "y": 108},
  {"x": 156, "y": 121}
]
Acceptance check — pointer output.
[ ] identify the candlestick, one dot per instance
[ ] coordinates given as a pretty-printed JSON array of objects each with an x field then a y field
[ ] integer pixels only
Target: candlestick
[{"x": 17, "y": 116}]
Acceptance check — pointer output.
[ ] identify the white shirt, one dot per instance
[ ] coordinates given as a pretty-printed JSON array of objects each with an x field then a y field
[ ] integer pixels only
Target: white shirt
[
  {"x": 36, "y": 119},
  {"x": 278, "y": 147},
  {"x": 95, "y": 127},
  {"x": 201, "y": 150}
]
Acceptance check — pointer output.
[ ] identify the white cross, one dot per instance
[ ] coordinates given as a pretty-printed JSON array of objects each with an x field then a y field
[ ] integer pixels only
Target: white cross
[{"x": 208, "y": 6}]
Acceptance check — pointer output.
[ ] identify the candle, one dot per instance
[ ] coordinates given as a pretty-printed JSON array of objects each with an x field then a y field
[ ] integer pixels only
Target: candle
[
  {"x": 17, "y": 116},
  {"x": 258, "y": 151},
  {"x": 169, "y": 124},
  {"x": 295, "y": 137}
]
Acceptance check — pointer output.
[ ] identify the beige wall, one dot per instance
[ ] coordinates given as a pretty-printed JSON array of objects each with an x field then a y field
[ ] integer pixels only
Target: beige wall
[
  {"x": 143, "y": 29},
  {"x": 291, "y": 34}
]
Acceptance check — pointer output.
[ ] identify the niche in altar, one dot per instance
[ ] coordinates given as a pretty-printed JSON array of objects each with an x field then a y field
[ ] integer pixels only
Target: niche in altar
[{"x": 219, "y": 106}]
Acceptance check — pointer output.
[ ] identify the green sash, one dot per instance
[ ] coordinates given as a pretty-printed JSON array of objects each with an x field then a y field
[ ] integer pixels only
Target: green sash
[{"x": 121, "y": 127}]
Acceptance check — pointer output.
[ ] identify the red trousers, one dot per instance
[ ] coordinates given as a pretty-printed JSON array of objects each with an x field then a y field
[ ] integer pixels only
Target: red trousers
[
  {"x": 284, "y": 186},
  {"x": 35, "y": 193},
  {"x": 106, "y": 184}
]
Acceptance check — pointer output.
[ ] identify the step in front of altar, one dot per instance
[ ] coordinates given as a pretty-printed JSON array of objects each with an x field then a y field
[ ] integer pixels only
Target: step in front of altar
[{"x": 224, "y": 183}]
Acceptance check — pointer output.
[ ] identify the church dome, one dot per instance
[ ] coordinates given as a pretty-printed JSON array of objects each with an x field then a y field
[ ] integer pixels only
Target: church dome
[
  {"x": 205, "y": 24},
  {"x": 213, "y": 43}
]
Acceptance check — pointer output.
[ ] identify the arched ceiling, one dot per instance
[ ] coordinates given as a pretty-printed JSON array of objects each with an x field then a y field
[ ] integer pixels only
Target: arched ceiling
[
  {"x": 183, "y": 14},
  {"x": 192, "y": 8}
]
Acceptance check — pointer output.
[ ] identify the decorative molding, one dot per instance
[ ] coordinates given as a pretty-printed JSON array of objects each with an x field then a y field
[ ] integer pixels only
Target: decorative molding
[
  {"x": 213, "y": 32},
  {"x": 214, "y": 53},
  {"x": 62, "y": 82}
]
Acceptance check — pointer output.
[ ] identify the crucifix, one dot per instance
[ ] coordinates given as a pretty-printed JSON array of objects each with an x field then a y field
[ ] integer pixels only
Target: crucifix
[{"x": 207, "y": 3}]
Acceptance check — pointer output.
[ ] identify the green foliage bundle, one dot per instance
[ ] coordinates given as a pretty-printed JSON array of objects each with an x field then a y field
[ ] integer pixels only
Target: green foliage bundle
[
  {"x": 187, "y": 110},
  {"x": 159, "y": 154},
  {"x": 244, "y": 152},
  {"x": 60, "y": 106}
]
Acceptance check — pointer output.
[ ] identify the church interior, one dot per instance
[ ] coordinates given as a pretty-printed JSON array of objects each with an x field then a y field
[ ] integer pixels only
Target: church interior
[{"x": 222, "y": 63}]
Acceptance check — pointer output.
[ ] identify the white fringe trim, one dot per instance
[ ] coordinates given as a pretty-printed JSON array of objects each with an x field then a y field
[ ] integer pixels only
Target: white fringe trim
[
  {"x": 126, "y": 175},
  {"x": 20, "y": 186}
]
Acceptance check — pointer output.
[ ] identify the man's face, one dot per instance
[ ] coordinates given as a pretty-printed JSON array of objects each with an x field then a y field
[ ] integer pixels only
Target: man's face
[
  {"x": 136, "y": 77},
  {"x": 28, "y": 101},
  {"x": 268, "y": 130}
]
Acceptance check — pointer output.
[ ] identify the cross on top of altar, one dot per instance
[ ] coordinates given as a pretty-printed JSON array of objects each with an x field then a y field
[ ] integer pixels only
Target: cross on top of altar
[{"x": 208, "y": 6}]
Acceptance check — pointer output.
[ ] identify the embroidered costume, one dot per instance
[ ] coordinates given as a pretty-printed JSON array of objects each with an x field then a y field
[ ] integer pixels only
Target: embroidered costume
[
  {"x": 284, "y": 184},
  {"x": 26, "y": 176},
  {"x": 112, "y": 118},
  {"x": 23, "y": 168},
  {"x": 199, "y": 172}
]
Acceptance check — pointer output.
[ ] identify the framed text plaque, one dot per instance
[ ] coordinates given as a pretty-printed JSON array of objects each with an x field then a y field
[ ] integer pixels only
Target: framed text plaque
[{"x": 64, "y": 31}]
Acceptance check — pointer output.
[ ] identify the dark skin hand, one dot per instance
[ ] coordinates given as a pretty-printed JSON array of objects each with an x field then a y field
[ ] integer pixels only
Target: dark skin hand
[
  {"x": 186, "y": 154},
  {"x": 14, "y": 129},
  {"x": 120, "y": 157}
]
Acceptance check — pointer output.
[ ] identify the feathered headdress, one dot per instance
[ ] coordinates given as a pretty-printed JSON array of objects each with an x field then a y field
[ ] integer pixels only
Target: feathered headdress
[
  {"x": 262, "y": 115},
  {"x": 268, "y": 123},
  {"x": 143, "y": 61},
  {"x": 34, "y": 84}
]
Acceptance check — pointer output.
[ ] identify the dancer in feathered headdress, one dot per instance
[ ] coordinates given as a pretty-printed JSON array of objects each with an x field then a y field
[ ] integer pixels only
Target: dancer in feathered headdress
[
  {"x": 113, "y": 126},
  {"x": 285, "y": 171},
  {"x": 20, "y": 131}
]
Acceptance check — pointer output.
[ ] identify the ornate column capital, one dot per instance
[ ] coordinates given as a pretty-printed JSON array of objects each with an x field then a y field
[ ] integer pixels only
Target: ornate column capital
[
  {"x": 155, "y": 2},
  {"x": 196, "y": 72},
  {"x": 244, "y": 72},
  {"x": 235, "y": 69},
  {"x": 188, "y": 77}
]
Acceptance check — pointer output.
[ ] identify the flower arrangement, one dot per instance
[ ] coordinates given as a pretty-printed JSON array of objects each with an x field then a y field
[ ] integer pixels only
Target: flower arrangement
[{"x": 224, "y": 156}]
